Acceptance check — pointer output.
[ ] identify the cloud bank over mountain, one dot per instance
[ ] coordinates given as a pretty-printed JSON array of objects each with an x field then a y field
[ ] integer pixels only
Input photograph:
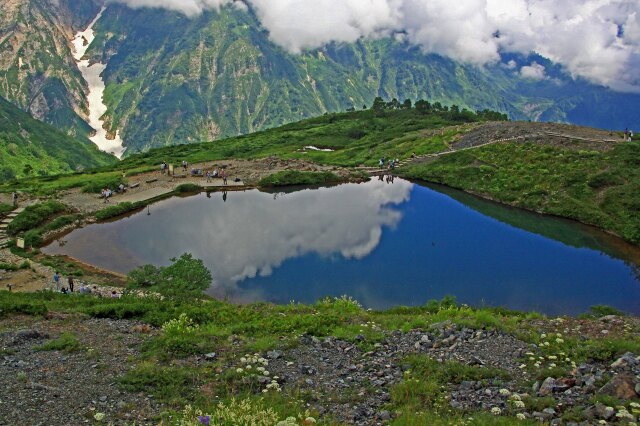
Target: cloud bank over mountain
[{"x": 595, "y": 39}]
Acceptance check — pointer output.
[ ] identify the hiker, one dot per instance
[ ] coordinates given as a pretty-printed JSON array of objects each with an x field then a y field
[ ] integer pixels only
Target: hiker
[
  {"x": 14, "y": 197},
  {"x": 106, "y": 193},
  {"x": 56, "y": 281},
  {"x": 215, "y": 172},
  {"x": 70, "y": 281},
  {"x": 121, "y": 189},
  {"x": 381, "y": 163},
  {"x": 223, "y": 175},
  {"x": 184, "y": 165},
  {"x": 208, "y": 176},
  {"x": 626, "y": 133}
]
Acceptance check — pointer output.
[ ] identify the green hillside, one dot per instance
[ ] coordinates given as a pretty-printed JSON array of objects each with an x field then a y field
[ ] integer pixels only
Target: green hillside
[
  {"x": 29, "y": 147},
  {"x": 174, "y": 80}
]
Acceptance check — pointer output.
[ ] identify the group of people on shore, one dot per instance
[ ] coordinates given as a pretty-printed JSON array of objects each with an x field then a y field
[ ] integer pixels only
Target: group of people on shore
[
  {"x": 207, "y": 174},
  {"x": 212, "y": 174},
  {"x": 58, "y": 286},
  {"x": 391, "y": 163}
]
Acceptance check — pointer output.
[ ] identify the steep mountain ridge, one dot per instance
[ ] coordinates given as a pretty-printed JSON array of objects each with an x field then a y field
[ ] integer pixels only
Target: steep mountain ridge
[{"x": 37, "y": 69}]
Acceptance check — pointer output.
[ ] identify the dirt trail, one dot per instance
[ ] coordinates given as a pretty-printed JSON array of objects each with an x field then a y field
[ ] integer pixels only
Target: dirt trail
[{"x": 561, "y": 135}]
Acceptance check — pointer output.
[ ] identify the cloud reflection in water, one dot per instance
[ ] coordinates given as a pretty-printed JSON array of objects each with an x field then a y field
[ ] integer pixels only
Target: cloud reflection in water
[{"x": 249, "y": 235}]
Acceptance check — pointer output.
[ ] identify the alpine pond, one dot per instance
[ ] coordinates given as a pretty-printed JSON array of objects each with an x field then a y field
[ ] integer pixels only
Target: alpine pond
[{"x": 385, "y": 243}]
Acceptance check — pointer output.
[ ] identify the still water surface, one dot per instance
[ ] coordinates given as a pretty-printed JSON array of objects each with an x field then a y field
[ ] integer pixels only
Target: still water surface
[{"x": 385, "y": 244}]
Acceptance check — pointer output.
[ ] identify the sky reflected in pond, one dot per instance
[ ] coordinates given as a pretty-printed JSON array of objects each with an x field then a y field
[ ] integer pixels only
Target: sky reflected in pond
[{"x": 383, "y": 243}]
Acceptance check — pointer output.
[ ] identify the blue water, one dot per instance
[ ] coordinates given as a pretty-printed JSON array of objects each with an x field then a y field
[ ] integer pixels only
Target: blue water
[{"x": 385, "y": 244}]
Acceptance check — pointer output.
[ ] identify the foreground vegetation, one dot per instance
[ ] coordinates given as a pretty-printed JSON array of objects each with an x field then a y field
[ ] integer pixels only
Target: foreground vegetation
[{"x": 194, "y": 326}]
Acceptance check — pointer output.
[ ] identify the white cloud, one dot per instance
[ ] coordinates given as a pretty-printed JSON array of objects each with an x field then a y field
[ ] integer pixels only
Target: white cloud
[
  {"x": 535, "y": 71},
  {"x": 582, "y": 35}
]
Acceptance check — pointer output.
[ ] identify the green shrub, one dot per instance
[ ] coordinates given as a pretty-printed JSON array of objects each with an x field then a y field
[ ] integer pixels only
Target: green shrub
[
  {"x": 66, "y": 342},
  {"x": 188, "y": 187},
  {"x": 33, "y": 238},
  {"x": 294, "y": 177},
  {"x": 118, "y": 209},
  {"x": 33, "y": 216},
  {"x": 97, "y": 184},
  {"x": 10, "y": 267},
  {"x": 61, "y": 222},
  {"x": 5, "y": 208},
  {"x": 605, "y": 179},
  {"x": 599, "y": 311},
  {"x": 185, "y": 277}
]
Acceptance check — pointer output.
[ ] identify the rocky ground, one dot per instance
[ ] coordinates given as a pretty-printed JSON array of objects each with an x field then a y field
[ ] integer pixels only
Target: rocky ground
[
  {"x": 69, "y": 387},
  {"x": 341, "y": 381},
  {"x": 544, "y": 133}
]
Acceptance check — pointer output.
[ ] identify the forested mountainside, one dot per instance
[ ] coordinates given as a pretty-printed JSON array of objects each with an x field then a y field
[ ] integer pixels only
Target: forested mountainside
[
  {"x": 171, "y": 79},
  {"x": 29, "y": 147}
]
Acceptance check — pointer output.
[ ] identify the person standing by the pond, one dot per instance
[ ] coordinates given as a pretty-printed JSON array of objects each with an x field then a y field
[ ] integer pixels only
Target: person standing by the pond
[
  {"x": 223, "y": 175},
  {"x": 56, "y": 281},
  {"x": 70, "y": 281}
]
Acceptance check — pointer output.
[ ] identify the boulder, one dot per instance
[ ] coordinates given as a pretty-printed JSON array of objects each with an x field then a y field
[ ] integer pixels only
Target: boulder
[
  {"x": 626, "y": 360},
  {"x": 547, "y": 387},
  {"x": 622, "y": 386}
]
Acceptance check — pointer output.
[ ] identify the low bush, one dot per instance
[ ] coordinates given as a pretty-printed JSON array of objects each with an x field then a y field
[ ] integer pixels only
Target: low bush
[
  {"x": 61, "y": 222},
  {"x": 11, "y": 267},
  {"x": 117, "y": 210},
  {"x": 34, "y": 216},
  {"x": 66, "y": 342},
  {"x": 185, "y": 277},
  {"x": 97, "y": 184},
  {"x": 5, "y": 208},
  {"x": 188, "y": 187}
]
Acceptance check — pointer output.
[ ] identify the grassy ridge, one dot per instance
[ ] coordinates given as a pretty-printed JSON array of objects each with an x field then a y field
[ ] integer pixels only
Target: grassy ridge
[
  {"x": 594, "y": 187},
  {"x": 357, "y": 138}
]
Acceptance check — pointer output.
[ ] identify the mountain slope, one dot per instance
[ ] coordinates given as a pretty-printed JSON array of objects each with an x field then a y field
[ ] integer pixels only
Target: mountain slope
[
  {"x": 37, "y": 70},
  {"x": 173, "y": 80},
  {"x": 29, "y": 147}
]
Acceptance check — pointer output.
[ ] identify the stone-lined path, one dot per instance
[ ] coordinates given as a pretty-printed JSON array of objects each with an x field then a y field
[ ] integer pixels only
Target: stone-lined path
[{"x": 4, "y": 238}]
